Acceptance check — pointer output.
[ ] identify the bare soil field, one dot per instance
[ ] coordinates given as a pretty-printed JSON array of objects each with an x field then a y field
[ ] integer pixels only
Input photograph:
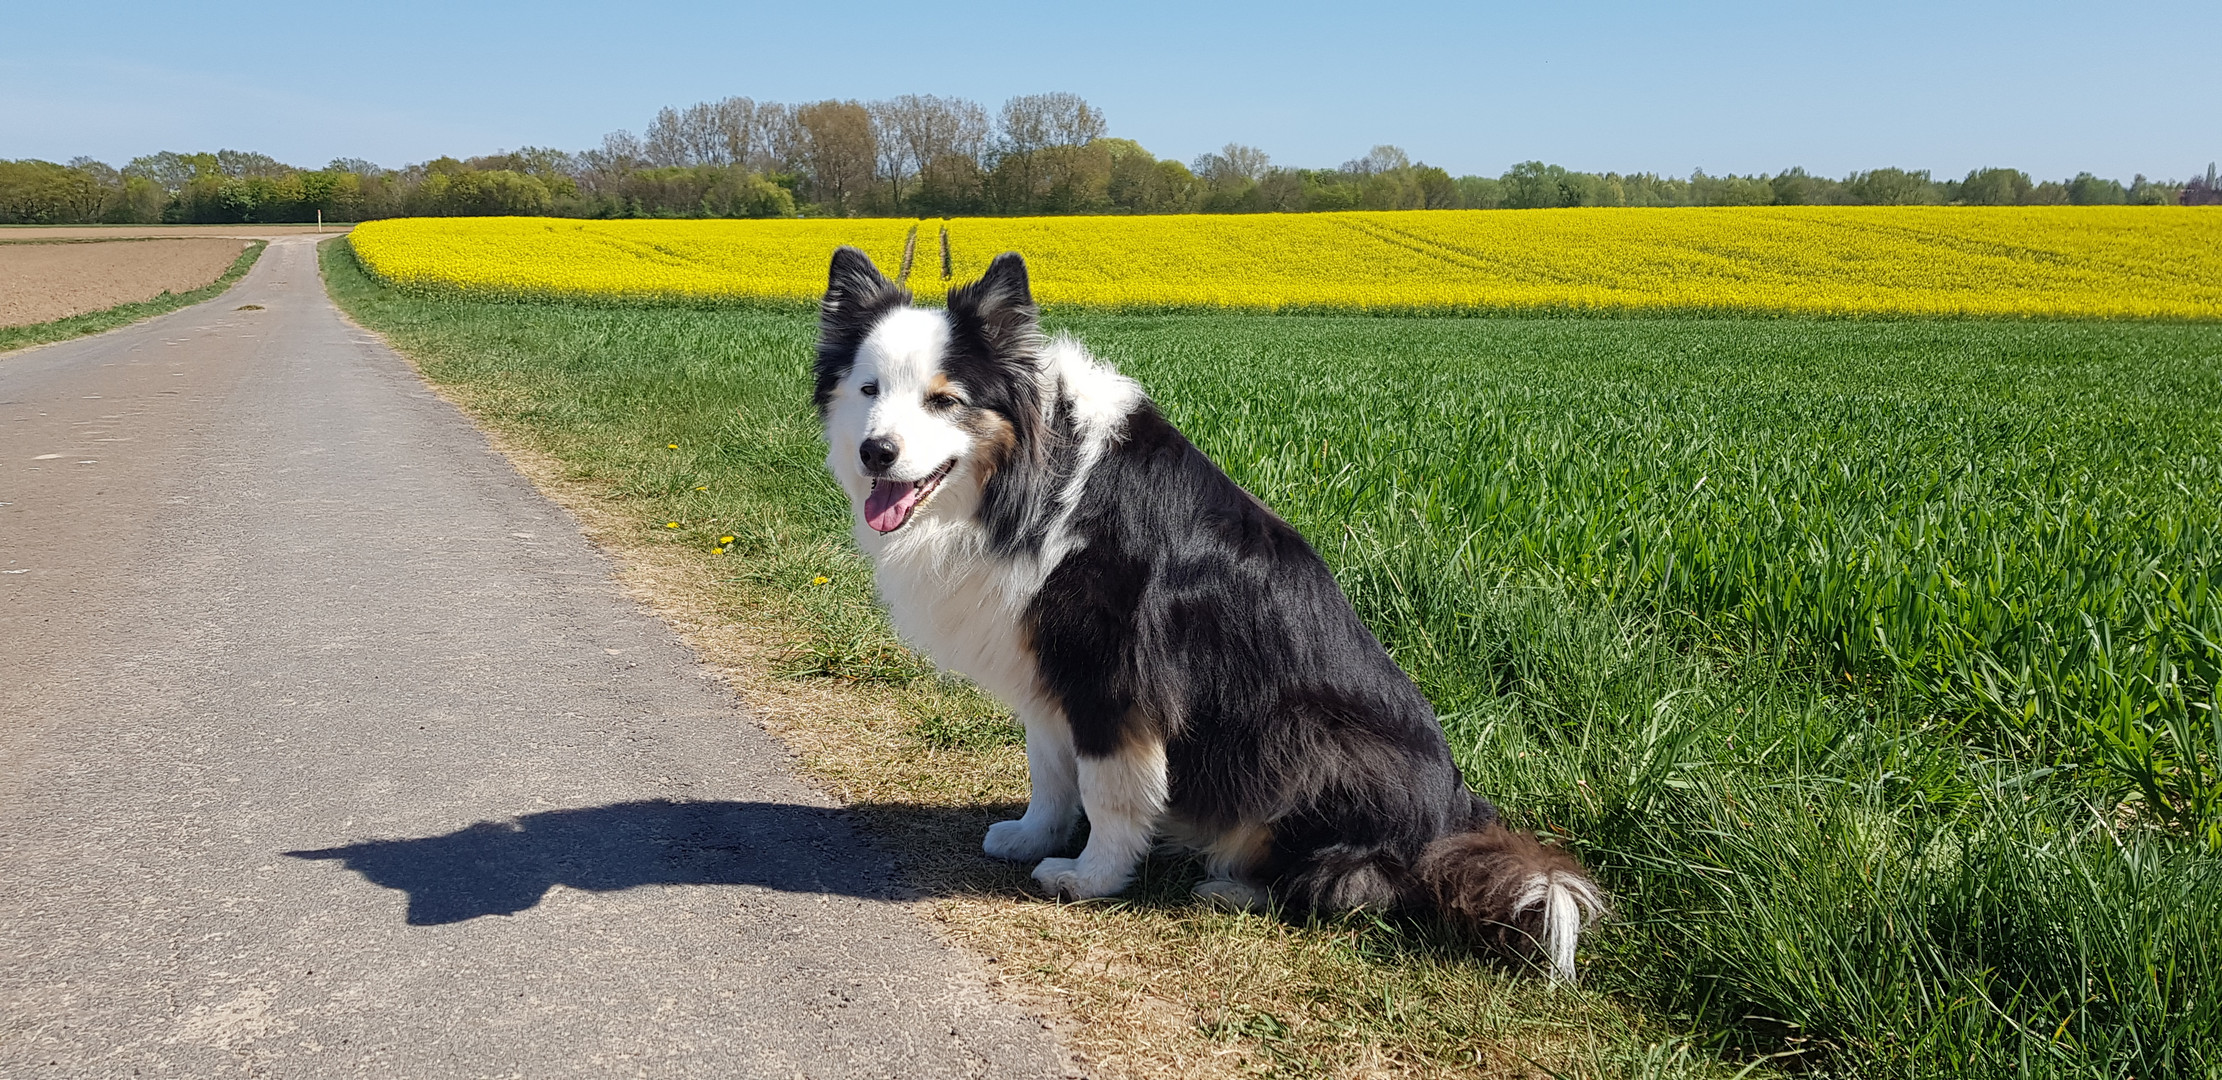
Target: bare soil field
[
  {"x": 43, "y": 282},
  {"x": 136, "y": 232}
]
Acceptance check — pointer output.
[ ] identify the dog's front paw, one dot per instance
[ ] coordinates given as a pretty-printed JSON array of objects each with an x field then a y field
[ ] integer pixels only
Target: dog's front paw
[
  {"x": 1019, "y": 841},
  {"x": 1069, "y": 880}
]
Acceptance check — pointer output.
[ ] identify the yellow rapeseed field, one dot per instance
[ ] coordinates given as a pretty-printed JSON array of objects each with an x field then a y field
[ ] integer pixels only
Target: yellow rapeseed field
[{"x": 2106, "y": 262}]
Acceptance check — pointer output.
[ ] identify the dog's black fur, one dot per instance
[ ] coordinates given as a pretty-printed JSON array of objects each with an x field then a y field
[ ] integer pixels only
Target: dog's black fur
[
  {"x": 1183, "y": 611},
  {"x": 1193, "y": 615}
]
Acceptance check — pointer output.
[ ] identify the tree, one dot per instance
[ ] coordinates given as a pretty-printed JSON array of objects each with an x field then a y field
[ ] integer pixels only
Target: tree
[
  {"x": 782, "y": 146},
  {"x": 939, "y": 142},
  {"x": 102, "y": 173},
  {"x": 1233, "y": 166},
  {"x": 1332, "y": 189},
  {"x": 1032, "y": 122},
  {"x": 1729, "y": 190},
  {"x": 1995, "y": 187},
  {"x": 2089, "y": 190},
  {"x": 34, "y": 192},
  {"x": 2143, "y": 192},
  {"x": 2203, "y": 190},
  {"x": 136, "y": 201},
  {"x": 1796, "y": 187},
  {"x": 620, "y": 152},
  {"x": 1892, "y": 187},
  {"x": 1535, "y": 185},
  {"x": 1436, "y": 188},
  {"x": 841, "y": 152},
  {"x": 665, "y": 144},
  {"x": 241, "y": 164},
  {"x": 366, "y": 169},
  {"x": 1073, "y": 179},
  {"x": 462, "y": 192},
  {"x": 1139, "y": 183},
  {"x": 1380, "y": 159},
  {"x": 1480, "y": 192},
  {"x": 1029, "y": 125},
  {"x": 170, "y": 170}
]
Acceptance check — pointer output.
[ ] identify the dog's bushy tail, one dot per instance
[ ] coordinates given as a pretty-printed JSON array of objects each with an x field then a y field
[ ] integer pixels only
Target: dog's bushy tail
[{"x": 1527, "y": 898}]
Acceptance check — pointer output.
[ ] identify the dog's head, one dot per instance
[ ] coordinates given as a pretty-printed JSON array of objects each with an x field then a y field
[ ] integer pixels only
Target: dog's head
[{"x": 923, "y": 407}]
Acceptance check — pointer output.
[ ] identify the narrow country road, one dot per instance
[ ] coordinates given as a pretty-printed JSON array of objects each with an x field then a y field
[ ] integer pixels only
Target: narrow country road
[{"x": 328, "y": 748}]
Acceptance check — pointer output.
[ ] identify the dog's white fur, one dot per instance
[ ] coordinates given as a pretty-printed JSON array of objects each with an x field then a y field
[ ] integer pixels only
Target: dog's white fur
[
  {"x": 974, "y": 602},
  {"x": 951, "y": 601}
]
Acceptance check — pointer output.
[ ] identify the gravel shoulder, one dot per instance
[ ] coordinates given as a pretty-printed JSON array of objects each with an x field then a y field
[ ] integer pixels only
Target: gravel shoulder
[{"x": 41, "y": 282}]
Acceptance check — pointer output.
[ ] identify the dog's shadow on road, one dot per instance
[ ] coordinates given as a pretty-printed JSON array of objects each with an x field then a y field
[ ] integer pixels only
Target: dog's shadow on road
[{"x": 504, "y": 867}]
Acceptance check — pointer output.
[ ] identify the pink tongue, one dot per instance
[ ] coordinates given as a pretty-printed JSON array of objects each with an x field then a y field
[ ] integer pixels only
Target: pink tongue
[{"x": 889, "y": 505}]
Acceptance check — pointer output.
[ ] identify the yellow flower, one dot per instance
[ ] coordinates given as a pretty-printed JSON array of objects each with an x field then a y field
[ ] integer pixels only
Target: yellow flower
[
  {"x": 671, "y": 524},
  {"x": 723, "y": 540},
  {"x": 820, "y": 580},
  {"x": 702, "y": 487},
  {"x": 717, "y": 551},
  {"x": 671, "y": 446},
  {"x": 2083, "y": 261}
]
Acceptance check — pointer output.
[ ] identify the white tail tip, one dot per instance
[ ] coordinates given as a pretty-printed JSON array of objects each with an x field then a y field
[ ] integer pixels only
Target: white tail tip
[{"x": 1570, "y": 903}]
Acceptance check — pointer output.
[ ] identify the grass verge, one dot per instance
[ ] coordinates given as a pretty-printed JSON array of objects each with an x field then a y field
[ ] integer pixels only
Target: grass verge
[
  {"x": 1635, "y": 564},
  {"x": 94, "y": 322}
]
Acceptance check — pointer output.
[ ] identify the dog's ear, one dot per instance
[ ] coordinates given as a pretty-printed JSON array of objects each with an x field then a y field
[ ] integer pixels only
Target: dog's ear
[
  {"x": 999, "y": 309},
  {"x": 857, "y": 294}
]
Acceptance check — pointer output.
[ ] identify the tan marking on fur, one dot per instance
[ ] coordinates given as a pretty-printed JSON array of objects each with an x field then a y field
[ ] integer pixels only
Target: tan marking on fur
[
  {"x": 994, "y": 442},
  {"x": 1238, "y": 852}
]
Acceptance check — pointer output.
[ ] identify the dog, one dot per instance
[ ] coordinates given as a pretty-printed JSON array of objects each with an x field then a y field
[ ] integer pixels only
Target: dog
[{"x": 1186, "y": 667}]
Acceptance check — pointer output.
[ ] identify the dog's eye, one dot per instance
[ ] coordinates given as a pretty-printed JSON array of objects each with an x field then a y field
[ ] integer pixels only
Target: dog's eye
[
  {"x": 870, "y": 389},
  {"x": 944, "y": 401}
]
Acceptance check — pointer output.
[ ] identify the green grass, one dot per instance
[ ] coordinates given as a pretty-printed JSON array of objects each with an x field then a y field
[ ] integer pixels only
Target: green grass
[
  {"x": 1871, "y": 664},
  {"x": 94, "y": 322}
]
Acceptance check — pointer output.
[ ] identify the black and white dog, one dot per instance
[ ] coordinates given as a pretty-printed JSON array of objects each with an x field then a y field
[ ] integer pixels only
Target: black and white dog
[{"x": 1184, "y": 663}]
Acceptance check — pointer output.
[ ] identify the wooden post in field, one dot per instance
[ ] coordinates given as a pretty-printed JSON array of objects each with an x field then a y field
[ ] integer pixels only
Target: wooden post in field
[{"x": 320, "y": 221}]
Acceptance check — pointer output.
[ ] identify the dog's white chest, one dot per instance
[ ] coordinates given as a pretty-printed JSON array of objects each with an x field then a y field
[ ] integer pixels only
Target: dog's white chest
[{"x": 965, "y": 610}]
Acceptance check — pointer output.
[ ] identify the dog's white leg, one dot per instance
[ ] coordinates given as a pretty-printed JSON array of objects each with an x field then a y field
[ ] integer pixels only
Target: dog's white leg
[
  {"x": 1055, "y": 802},
  {"x": 1125, "y": 796}
]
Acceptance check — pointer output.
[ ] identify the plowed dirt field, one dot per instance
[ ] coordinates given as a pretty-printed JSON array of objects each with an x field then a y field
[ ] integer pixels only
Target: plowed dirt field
[{"x": 40, "y": 282}]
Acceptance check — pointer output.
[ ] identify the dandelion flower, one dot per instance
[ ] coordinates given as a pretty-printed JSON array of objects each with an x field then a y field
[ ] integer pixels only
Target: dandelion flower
[
  {"x": 671, "y": 524},
  {"x": 820, "y": 580},
  {"x": 724, "y": 540},
  {"x": 671, "y": 446}
]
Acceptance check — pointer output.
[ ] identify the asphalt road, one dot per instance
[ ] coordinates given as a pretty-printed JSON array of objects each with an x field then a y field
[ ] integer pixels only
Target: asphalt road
[{"x": 328, "y": 748}]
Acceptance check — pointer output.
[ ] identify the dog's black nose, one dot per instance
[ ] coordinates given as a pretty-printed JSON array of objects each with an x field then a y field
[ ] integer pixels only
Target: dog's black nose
[{"x": 878, "y": 454}]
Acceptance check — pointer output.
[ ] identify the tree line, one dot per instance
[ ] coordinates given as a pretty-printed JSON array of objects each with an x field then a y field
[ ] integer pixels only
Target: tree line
[{"x": 923, "y": 155}]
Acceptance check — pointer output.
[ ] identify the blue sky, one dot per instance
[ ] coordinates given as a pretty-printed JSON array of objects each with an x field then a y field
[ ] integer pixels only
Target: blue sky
[{"x": 1728, "y": 87}]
